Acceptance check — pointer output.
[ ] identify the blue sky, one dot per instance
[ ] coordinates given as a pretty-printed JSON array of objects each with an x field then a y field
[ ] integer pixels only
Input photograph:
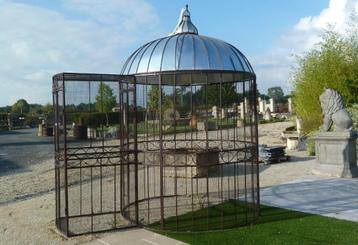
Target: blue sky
[
  {"x": 252, "y": 25},
  {"x": 39, "y": 38}
]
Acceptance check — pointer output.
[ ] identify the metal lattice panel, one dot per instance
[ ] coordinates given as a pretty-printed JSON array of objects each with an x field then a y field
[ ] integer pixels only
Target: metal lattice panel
[{"x": 171, "y": 144}]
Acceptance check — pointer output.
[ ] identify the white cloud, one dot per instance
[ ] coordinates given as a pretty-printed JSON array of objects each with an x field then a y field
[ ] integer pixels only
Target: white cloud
[
  {"x": 80, "y": 35},
  {"x": 274, "y": 68}
]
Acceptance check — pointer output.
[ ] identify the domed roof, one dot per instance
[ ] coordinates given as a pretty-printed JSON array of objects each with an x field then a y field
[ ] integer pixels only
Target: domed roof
[{"x": 187, "y": 51}]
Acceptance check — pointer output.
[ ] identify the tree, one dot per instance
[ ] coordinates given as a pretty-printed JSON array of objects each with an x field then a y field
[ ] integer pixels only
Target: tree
[
  {"x": 154, "y": 100},
  {"x": 5, "y": 109},
  {"x": 228, "y": 94},
  {"x": 154, "y": 97},
  {"x": 333, "y": 63},
  {"x": 36, "y": 109},
  {"x": 277, "y": 94},
  {"x": 105, "y": 99},
  {"x": 47, "y": 109},
  {"x": 21, "y": 106}
]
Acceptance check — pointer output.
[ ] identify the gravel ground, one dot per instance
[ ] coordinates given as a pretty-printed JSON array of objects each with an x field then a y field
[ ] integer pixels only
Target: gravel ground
[
  {"x": 27, "y": 201},
  {"x": 20, "y": 149}
]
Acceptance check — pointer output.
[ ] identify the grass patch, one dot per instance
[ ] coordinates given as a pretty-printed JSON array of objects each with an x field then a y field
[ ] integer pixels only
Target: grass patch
[
  {"x": 227, "y": 215},
  {"x": 277, "y": 226}
]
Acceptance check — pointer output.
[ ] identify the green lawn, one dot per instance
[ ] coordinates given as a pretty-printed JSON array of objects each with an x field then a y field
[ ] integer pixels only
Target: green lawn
[
  {"x": 275, "y": 226},
  {"x": 228, "y": 215}
]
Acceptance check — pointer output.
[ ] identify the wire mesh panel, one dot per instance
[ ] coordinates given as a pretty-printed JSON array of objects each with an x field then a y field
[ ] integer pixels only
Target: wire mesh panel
[
  {"x": 171, "y": 144},
  {"x": 197, "y": 152},
  {"x": 166, "y": 151},
  {"x": 91, "y": 161}
]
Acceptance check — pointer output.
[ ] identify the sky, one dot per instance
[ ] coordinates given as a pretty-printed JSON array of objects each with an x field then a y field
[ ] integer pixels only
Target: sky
[{"x": 39, "y": 38}]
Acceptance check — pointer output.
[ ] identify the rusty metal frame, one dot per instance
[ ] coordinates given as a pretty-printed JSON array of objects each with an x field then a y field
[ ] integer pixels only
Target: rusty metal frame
[{"x": 140, "y": 176}]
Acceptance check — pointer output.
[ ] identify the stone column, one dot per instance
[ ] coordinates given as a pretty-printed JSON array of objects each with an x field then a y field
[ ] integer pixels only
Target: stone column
[
  {"x": 223, "y": 113},
  {"x": 242, "y": 112},
  {"x": 246, "y": 104},
  {"x": 289, "y": 105},
  {"x": 215, "y": 111},
  {"x": 262, "y": 106},
  {"x": 299, "y": 123},
  {"x": 336, "y": 154},
  {"x": 272, "y": 105}
]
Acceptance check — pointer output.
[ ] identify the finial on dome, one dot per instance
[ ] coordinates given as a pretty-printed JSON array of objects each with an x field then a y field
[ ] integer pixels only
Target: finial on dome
[{"x": 184, "y": 24}]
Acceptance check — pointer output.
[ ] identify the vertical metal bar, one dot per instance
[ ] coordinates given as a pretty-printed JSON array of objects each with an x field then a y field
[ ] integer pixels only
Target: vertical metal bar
[
  {"x": 196, "y": 132},
  {"x": 161, "y": 153},
  {"x": 221, "y": 149},
  {"x": 252, "y": 146},
  {"x": 196, "y": 116},
  {"x": 115, "y": 170},
  {"x": 127, "y": 146},
  {"x": 115, "y": 194},
  {"x": 121, "y": 168},
  {"x": 175, "y": 146},
  {"x": 207, "y": 149},
  {"x": 100, "y": 160},
  {"x": 90, "y": 109},
  {"x": 145, "y": 91},
  {"x": 256, "y": 148},
  {"x": 174, "y": 112},
  {"x": 191, "y": 147},
  {"x": 192, "y": 199},
  {"x": 91, "y": 199},
  {"x": 65, "y": 153},
  {"x": 55, "y": 109},
  {"x": 135, "y": 150},
  {"x": 245, "y": 149},
  {"x": 235, "y": 152},
  {"x": 148, "y": 203},
  {"x": 176, "y": 196}
]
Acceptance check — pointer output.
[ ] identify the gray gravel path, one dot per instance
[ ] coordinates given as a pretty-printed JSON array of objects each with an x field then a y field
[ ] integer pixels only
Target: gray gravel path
[{"x": 19, "y": 149}]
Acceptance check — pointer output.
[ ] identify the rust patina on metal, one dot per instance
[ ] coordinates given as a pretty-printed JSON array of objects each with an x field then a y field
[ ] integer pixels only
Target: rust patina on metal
[{"x": 139, "y": 164}]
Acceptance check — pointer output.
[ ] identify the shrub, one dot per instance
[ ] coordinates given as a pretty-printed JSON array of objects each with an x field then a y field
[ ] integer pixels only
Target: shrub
[
  {"x": 353, "y": 111},
  {"x": 311, "y": 147},
  {"x": 333, "y": 63}
]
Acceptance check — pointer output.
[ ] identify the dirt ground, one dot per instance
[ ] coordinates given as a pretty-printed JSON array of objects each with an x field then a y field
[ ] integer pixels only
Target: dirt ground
[{"x": 27, "y": 200}]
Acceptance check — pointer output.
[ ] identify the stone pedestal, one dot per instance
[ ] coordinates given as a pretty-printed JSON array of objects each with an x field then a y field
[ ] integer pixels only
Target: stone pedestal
[
  {"x": 184, "y": 163},
  {"x": 206, "y": 126},
  {"x": 336, "y": 154},
  {"x": 292, "y": 140}
]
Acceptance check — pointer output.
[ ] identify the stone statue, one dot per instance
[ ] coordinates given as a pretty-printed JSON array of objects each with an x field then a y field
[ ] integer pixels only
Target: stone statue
[
  {"x": 169, "y": 117},
  {"x": 334, "y": 112},
  {"x": 267, "y": 115}
]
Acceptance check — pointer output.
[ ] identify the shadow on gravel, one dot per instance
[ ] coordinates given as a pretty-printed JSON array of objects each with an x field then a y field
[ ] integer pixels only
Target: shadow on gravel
[
  {"x": 49, "y": 142},
  {"x": 8, "y": 167},
  {"x": 301, "y": 159},
  {"x": 13, "y": 132}
]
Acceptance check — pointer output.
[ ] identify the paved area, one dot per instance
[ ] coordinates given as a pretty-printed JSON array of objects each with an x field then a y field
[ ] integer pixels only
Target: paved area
[
  {"x": 21, "y": 148},
  {"x": 332, "y": 197},
  {"x": 135, "y": 237}
]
